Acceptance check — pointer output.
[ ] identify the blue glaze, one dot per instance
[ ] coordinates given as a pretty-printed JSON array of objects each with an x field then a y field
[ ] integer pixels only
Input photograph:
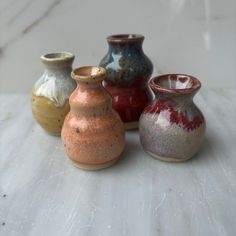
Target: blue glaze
[{"x": 126, "y": 62}]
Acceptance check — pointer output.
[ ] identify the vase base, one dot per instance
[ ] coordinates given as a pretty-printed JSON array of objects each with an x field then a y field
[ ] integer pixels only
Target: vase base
[
  {"x": 131, "y": 125},
  {"x": 168, "y": 159},
  {"x": 94, "y": 166}
]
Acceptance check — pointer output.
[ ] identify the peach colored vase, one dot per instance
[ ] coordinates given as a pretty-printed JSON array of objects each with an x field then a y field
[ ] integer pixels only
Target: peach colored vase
[{"x": 93, "y": 133}]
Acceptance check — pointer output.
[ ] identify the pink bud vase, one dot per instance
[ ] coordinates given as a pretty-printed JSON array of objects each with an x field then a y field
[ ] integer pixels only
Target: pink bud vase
[{"x": 93, "y": 133}]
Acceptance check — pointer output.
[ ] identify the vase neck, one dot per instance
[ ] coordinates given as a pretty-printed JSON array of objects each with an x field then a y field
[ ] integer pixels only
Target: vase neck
[
  {"x": 89, "y": 86},
  {"x": 58, "y": 63},
  {"x": 124, "y": 42},
  {"x": 177, "y": 87},
  {"x": 120, "y": 48},
  {"x": 181, "y": 99},
  {"x": 90, "y": 76},
  {"x": 58, "y": 69},
  {"x": 124, "y": 49},
  {"x": 92, "y": 100}
]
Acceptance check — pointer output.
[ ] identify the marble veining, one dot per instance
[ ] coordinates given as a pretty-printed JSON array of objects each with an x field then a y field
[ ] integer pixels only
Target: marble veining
[
  {"x": 201, "y": 30},
  {"x": 31, "y": 25},
  {"x": 41, "y": 193}
]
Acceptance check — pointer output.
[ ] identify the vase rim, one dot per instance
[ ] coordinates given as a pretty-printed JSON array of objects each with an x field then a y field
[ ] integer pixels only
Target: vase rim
[
  {"x": 57, "y": 58},
  {"x": 89, "y": 74},
  {"x": 175, "y": 84},
  {"x": 120, "y": 38}
]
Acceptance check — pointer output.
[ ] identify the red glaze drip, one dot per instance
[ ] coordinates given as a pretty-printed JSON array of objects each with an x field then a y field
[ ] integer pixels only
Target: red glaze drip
[{"x": 176, "y": 117}]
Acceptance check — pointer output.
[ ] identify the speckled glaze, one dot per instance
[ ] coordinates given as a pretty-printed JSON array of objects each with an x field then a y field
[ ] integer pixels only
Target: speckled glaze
[
  {"x": 93, "y": 133},
  {"x": 50, "y": 94},
  {"x": 172, "y": 128},
  {"x": 128, "y": 70}
]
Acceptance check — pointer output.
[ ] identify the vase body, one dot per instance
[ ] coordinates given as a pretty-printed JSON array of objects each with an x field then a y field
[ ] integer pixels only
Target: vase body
[
  {"x": 93, "y": 133},
  {"x": 172, "y": 127},
  {"x": 128, "y": 70},
  {"x": 50, "y": 94}
]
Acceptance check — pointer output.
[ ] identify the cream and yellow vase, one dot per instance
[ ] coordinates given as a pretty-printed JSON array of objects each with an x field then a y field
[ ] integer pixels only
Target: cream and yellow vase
[{"x": 50, "y": 94}]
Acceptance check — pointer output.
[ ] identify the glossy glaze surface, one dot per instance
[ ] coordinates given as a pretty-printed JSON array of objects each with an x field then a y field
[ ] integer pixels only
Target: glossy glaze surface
[
  {"x": 50, "y": 94},
  {"x": 128, "y": 70},
  {"x": 172, "y": 127},
  {"x": 93, "y": 133}
]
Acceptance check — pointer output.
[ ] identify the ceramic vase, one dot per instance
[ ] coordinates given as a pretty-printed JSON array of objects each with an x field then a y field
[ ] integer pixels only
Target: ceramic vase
[
  {"x": 128, "y": 70},
  {"x": 172, "y": 127},
  {"x": 50, "y": 94},
  {"x": 93, "y": 133}
]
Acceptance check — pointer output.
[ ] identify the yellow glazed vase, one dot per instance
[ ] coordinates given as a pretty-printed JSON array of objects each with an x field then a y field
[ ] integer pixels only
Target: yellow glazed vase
[{"x": 50, "y": 94}]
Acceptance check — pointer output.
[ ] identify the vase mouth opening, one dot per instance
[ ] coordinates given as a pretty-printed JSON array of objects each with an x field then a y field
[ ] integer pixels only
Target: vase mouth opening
[
  {"x": 175, "y": 84},
  {"x": 57, "y": 58},
  {"x": 89, "y": 74},
  {"x": 122, "y": 38}
]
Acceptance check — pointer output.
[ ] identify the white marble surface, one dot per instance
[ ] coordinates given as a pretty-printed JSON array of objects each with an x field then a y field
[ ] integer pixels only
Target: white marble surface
[
  {"x": 41, "y": 193},
  {"x": 182, "y": 36}
]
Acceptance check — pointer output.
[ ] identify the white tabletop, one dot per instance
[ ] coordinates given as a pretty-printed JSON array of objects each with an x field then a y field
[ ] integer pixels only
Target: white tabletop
[{"x": 41, "y": 193}]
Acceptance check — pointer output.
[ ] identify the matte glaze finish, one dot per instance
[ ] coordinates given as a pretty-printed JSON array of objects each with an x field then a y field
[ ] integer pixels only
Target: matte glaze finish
[
  {"x": 93, "y": 133},
  {"x": 172, "y": 127},
  {"x": 128, "y": 70},
  {"x": 50, "y": 95}
]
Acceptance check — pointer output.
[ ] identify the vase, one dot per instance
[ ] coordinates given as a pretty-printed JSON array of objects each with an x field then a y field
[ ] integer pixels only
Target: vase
[
  {"x": 50, "y": 94},
  {"x": 128, "y": 70},
  {"x": 172, "y": 127},
  {"x": 93, "y": 133}
]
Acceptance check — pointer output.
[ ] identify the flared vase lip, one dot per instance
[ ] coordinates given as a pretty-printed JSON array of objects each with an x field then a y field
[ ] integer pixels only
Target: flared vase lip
[
  {"x": 192, "y": 84},
  {"x": 88, "y": 74},
  {"x": 57, "y": 58},
  {"x": 125, "y": 38}
]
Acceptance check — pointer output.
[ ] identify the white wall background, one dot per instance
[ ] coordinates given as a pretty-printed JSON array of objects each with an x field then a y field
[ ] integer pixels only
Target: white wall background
[{"x": 197, "y": 37}]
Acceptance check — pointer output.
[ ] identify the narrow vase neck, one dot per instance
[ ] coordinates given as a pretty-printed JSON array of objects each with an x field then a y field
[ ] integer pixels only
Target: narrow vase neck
[
  {"x": 58, "y": 64},
  {"x": 58, "y": 69},
  {"x": 175, "y": 87},
  {"x": 89, "y": 86},
  {"x": 180, "y": 99},
  {"x": 125, "y": 46},
  {"x": 90, "y": 100},
  {"x": 123, "y": 42}
]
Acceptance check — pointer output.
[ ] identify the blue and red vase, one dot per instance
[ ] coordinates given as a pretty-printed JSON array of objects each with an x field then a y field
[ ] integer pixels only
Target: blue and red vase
[
  {"x": 128, "y": 70},
  {"x": 172, "y": 127}
]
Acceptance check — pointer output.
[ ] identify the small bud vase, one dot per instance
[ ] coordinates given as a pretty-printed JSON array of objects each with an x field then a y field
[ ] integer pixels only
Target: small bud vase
[
  {"x": 93, "y": 133},
  {"x": 50, "y": 94},
  {"x": 128, "y": 71},
  {"x": 172, "y": 127}
]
